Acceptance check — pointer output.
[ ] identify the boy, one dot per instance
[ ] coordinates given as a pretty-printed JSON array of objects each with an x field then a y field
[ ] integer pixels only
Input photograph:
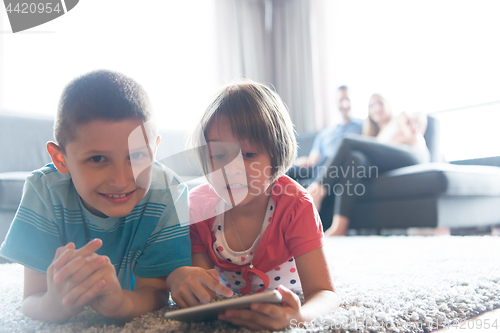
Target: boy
[{"x": 98, "y": 227}]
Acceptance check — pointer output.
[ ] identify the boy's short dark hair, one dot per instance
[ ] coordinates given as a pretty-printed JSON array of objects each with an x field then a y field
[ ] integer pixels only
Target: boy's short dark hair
[{"x": 99, "y": 95}]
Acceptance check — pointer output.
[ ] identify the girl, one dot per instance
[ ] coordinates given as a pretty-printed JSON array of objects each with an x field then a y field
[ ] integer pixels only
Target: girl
[
  {"x": 391, "y": 142},
  {"x": 254, "y": 225}
]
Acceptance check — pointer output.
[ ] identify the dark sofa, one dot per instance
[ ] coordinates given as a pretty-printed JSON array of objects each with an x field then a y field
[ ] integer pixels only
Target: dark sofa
[{"x": 429, "y": 195}]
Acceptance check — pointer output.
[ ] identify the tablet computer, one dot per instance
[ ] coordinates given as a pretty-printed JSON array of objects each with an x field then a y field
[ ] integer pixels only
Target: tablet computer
[{"x": 211, "y": 310}]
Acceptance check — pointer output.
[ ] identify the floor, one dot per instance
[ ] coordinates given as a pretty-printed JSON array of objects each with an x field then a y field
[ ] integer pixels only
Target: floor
[
  {"x": 487, "y": 322},
  {"x": 477, "y": 231}
]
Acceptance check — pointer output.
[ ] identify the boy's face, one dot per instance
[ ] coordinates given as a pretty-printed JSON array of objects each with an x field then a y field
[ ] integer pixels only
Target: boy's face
[{"x": 99, "y": 161}]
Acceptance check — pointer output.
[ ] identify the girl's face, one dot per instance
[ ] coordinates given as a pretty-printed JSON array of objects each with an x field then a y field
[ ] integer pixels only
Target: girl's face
[
  {"x": 378, "y": 111},
  {"x": 241, "y": 172}
]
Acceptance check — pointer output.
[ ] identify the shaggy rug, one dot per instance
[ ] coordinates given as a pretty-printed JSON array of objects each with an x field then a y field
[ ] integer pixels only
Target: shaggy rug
[{"x": 393, "y": 284}]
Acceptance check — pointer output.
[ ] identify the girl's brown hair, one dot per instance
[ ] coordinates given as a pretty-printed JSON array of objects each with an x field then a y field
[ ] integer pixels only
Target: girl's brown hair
[{"x": 257, "y": 114}]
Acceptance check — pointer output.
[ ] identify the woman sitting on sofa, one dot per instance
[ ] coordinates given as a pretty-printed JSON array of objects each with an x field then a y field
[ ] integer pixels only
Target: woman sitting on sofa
[{"x": 388, "y": 143}]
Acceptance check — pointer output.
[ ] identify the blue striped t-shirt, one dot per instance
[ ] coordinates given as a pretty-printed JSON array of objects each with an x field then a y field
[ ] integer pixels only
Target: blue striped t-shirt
[{"x": 148, "y": 242}]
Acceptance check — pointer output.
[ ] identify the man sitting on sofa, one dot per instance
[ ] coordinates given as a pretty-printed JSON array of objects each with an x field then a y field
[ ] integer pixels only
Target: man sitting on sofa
[{"x": 325, "y": 143}]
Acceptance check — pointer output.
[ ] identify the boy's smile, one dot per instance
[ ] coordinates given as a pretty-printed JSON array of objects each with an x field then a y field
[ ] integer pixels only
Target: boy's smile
[
  {"x": 100, "y": 163},
  {"x": 118, "y": 198}
]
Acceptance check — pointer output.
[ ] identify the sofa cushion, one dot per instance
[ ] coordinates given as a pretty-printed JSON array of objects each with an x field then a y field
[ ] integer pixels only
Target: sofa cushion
[
  {"x": 22, "y": 141},
  {"x": 435, "y": 179},
  {"x": 11, "y": 189},
  {"x": 427, "y": 212},
  {"x": 305, "y": 142}
]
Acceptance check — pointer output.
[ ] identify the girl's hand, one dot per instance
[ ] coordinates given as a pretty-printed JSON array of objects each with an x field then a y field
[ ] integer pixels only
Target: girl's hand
[
  {"x": 263, "y": 316},
  {"x": 190, "y": 286}
]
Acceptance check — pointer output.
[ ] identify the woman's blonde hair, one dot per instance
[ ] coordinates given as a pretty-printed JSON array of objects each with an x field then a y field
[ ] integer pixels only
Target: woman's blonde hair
[
  {"x": 257, "y": 114},
  {"x": 370, "y": 127}
]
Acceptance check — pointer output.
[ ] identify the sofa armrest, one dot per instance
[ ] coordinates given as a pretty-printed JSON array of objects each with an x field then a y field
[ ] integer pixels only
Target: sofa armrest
[
  {"x": 11, "y": 189},
  {"x": 305, "y": 143}
]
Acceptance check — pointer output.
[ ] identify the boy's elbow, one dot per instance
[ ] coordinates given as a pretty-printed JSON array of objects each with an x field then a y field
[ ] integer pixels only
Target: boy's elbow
[{"x": 33, "y": 309}]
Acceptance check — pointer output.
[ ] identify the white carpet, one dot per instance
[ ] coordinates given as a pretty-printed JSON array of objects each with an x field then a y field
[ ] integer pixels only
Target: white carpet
[{"x": 394, "y": 284}]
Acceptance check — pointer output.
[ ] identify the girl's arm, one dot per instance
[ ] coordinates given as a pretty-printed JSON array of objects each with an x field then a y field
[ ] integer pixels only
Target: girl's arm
[
  {"x": 317, "y": 285},
  {"x": 201, "y": 259},
  {"x": 318, "y": 291}
]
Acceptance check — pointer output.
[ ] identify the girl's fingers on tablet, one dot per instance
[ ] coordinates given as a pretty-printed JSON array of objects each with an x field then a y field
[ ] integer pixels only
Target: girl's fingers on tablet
[
  {"x": 200, "y": 294},
  {"x": 238, "y": 322},
  {"x": 289, "y": 298},
  {"x": 250, "y": 319},
  {"x": 256, "y": 320},
  {"x": 180, "y": 303},
  {"x": 270, "y": 311},
  {"x": 213, "y": 273},
  {"x": 186, "y": 299},
  {"x": 219, "y": 288}
]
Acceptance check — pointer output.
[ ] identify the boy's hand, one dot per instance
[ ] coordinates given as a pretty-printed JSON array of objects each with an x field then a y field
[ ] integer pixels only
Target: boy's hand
[
  {"x": 68, "y": 287},
  {"x": 111, "y": 298},
  {"x": 190, "y": 286},
  {"x": 91, "y": 278},
  {"x": 264, "y": 316}
]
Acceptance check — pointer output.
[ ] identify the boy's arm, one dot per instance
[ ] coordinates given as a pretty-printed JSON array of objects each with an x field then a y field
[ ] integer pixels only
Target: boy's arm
[
  {"x": 36, "y": 302},
  {"x": 109, "y": 298},
  {"x": 149, "y": 294}
]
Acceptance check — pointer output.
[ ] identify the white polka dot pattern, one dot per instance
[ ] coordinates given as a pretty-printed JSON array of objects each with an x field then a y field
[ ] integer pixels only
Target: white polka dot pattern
[{"x": 285, "y": 274}]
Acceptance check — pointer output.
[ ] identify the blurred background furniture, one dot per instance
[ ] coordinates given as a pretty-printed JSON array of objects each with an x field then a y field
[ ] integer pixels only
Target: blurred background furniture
[{"x": 429, "y": 195}]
